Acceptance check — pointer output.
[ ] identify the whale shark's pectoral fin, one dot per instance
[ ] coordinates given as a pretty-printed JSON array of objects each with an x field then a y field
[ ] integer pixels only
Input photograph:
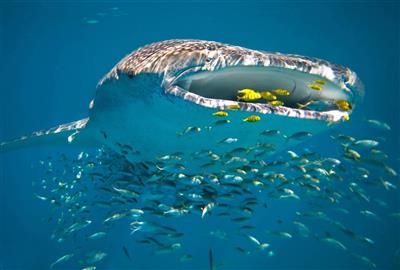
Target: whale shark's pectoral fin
[{"x": 73, "y": 133}]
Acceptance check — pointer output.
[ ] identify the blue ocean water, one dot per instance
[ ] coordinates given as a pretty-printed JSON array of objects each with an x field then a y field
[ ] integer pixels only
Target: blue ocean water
[{"x": 53, "y": 55}]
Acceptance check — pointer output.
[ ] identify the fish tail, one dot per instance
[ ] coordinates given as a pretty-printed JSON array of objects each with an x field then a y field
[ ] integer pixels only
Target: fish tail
[
  {"x": 345, "y": 146},
  {"x": 65, "y": 133}
]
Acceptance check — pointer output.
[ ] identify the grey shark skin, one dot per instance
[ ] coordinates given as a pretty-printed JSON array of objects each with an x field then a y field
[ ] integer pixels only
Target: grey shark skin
[{"x": 151, "y": 97}]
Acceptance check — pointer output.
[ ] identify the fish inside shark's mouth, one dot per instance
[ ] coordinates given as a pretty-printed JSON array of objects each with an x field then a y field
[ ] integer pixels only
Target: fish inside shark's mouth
[{"x": 272, "y": 86}]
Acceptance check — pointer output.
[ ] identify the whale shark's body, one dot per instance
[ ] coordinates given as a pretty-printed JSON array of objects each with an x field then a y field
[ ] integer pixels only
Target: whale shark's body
[{"x": 160, "y": 99}]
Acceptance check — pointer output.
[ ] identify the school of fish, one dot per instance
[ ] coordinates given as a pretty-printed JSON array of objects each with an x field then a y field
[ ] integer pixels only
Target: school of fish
[{"x": 151, "y": 196}]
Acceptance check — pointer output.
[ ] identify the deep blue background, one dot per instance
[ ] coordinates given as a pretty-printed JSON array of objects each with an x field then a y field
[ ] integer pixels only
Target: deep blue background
[{"x": 51, "y": 60}]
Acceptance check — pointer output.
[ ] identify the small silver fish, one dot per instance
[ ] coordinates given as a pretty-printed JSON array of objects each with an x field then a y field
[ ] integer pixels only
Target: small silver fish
[
  {"x": 207, "y": 208},
  {"x": 114, "y": 217},
  {"x": 128, "y": 193},
  {"x": 390, "y": 170},
  {"x": 282, "y": 234},
  {"x": 365, "y": 260},
  {"x": 64, "y": 258},
  {"x": 300, "y": 135},
  {"x": 77, "y": 226},
  {"x": 168, "y": 248},
  {"x": 97, "y": 235},
  {"x": 366, "y": 143},
  {"x": 334, "y": 242},
  {"x": 343, "y": 138},
  {"x": 260, "y": 245},
  {"x": 92, "y": 267},
  {"x": 369, "y": 214},
  {"x": 95, "y": 256},
  {"x": 229, "y": 140},
  {"x": 270, "y": 132},
  {"x": 379, "y": 124},
  {"x": 351, "y": 154}
]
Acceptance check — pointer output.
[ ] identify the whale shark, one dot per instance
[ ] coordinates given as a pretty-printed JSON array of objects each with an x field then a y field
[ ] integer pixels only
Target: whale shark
[{"x": 164, "y": 97}]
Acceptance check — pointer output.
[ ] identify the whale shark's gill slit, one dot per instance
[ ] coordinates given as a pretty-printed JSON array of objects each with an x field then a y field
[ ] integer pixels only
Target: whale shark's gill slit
[{"x": 224, "y": 84}]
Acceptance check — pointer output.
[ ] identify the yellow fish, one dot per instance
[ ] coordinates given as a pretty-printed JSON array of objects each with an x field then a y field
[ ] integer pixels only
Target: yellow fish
[
  {"x": 322, "y": 82},
  {"x": 248, "y": 95},
  {"x": 315, "y": 86},
  {"x": 221, "y": 114},
  {"x": 252, "y": 118},
  {"x": 276, "y": 103},
  {"x": 281, "y": 92},
  {"x": 234, "y": 107},
  {"x": 267, "y": 95},
  {"x": 343, "y": 105}
]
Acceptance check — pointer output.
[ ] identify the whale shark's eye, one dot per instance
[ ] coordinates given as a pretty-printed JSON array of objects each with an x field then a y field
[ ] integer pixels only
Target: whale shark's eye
[{"x": 279, "y": 86}]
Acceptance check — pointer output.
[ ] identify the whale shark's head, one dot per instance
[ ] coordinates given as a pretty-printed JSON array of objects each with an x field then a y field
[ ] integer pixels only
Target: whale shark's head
[
  {"x": 211, "y": 74},
  {"x": 289, "y": 93}
]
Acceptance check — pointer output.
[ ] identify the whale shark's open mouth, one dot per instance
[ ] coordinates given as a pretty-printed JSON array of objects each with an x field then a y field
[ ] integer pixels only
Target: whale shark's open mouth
[
  {"x": 225, "y": 84},
  {"x": 304, "y": 93}
]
